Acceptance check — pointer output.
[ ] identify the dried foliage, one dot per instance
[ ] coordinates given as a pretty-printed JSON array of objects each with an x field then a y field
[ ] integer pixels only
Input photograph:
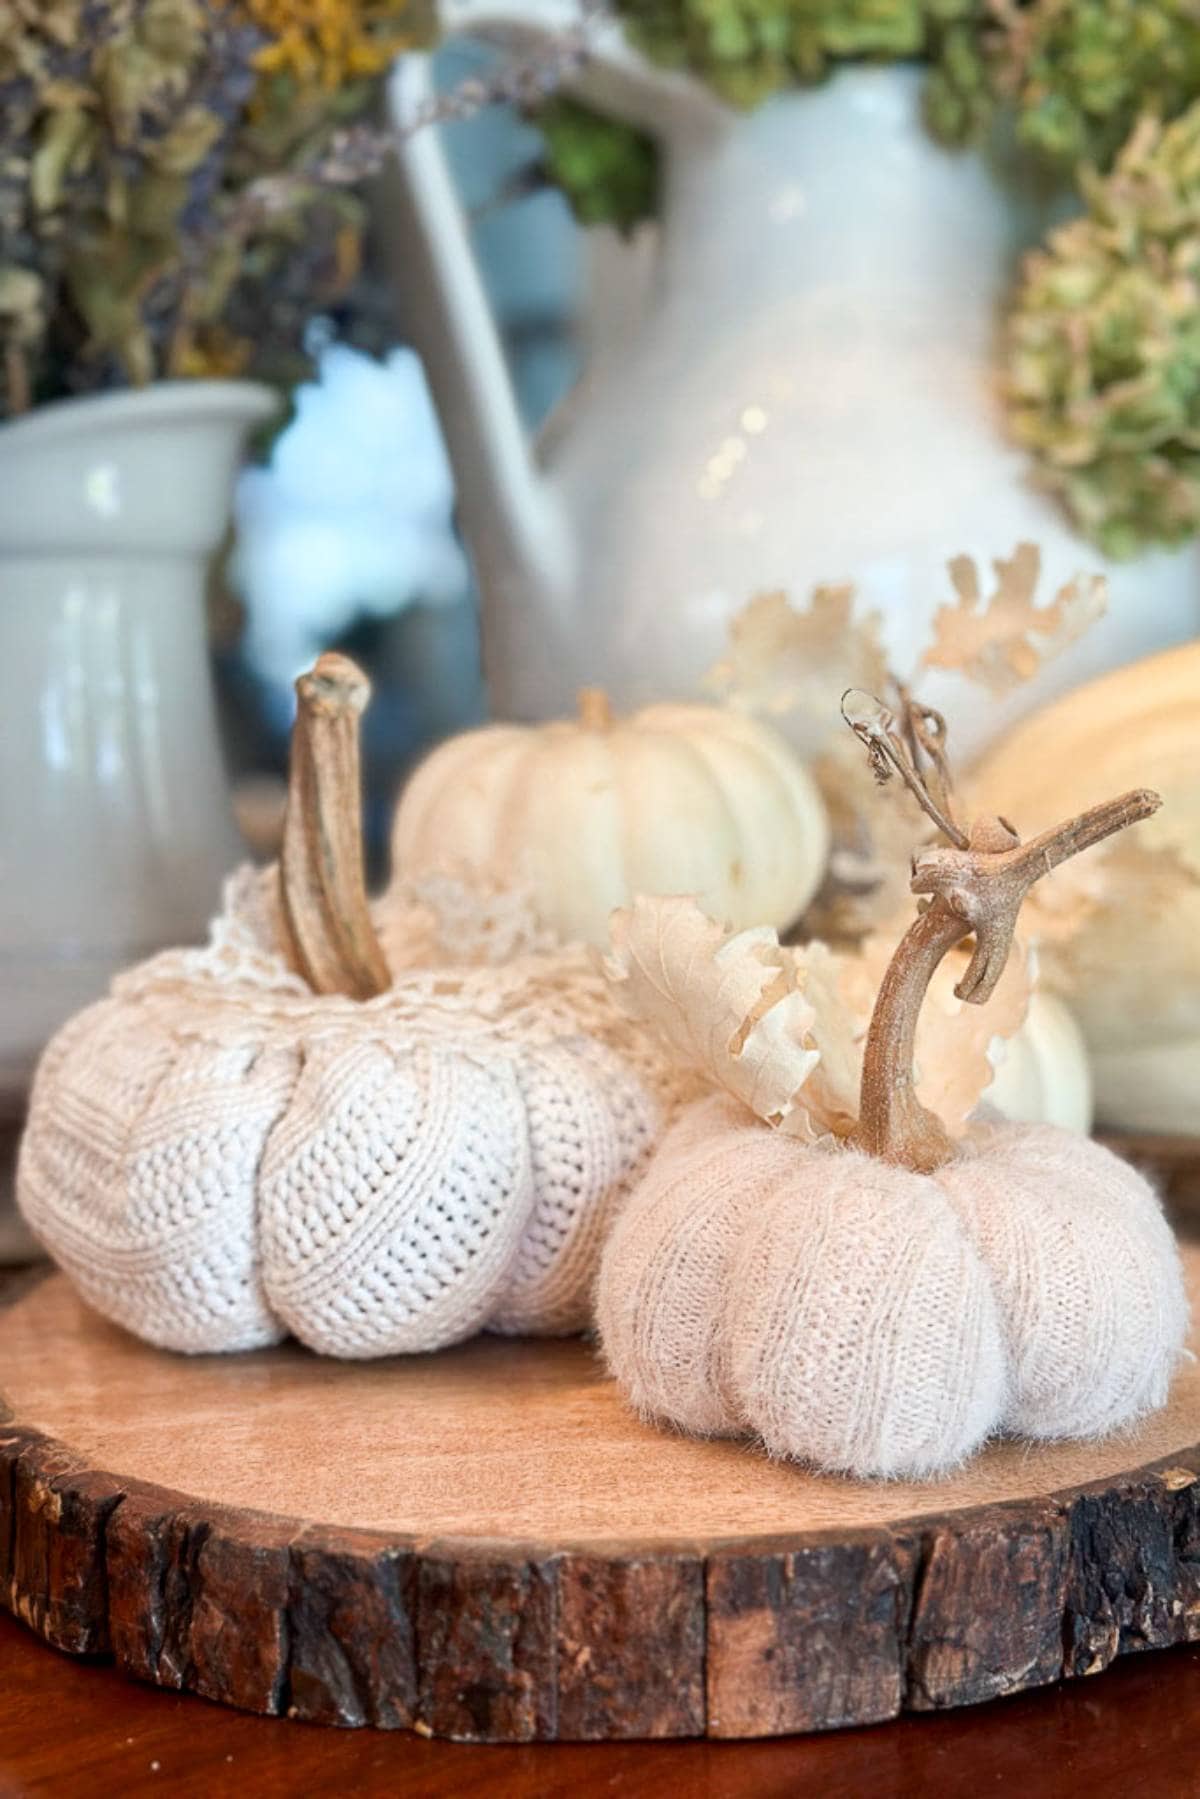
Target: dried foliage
[
  {"x": 131, "y": 127},
  {"x": 792, "y": 667},
  {"x": 608, "y": 171},
  {"x": 787, "y": 664},
  {"x": 1103, "y": 363},
  {"x": 747, "y": 1014},
  {"x": 329, "y": 43},
  {"x": 749, "y": 49},
  {"x": 209, "y": 288},
  {"x": 783, "y": 1029},
  {"x": 1003, "y": 641},
  {"x": 746, "y": 50},
  {"x": 1080, "y": 75}
]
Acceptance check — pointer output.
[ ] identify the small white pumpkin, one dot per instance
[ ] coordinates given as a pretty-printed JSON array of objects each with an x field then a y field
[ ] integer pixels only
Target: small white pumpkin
[
  {"x": 1131, "y": 972},
  {"x": 586, "y": 813},
  {"x": 1043, "y": 1075}
]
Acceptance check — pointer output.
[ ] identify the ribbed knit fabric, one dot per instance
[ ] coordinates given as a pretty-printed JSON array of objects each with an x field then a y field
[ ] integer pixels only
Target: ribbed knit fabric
[
  {"x": 217, "y": 1156},
  {"x": 1086, "y": 1273},
  {"x": 868, "y": 1320}
]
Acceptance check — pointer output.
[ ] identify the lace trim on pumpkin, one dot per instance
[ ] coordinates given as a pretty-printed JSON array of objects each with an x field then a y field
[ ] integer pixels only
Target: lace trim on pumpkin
[{"x": 474, "y": 966}]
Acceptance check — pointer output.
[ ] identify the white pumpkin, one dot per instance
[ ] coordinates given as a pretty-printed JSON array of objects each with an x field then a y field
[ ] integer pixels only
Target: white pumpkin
[
  {"x": 217, "y": 1157},
  {"x": 586, "y": 813},
  {"x": 1131, "y": 973},
  {"x": 1043, "y": 1075}
]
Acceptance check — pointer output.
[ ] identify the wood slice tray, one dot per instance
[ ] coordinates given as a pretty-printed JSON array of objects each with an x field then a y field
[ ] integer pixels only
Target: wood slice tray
[{"x": 485, "y": 1545}]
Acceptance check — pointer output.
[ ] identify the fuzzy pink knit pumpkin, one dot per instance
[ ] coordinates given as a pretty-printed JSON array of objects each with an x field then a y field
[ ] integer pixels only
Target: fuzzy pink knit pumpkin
[
  {"x": 865, "y": 1318},
  {"x": 845, "y": 1281}
]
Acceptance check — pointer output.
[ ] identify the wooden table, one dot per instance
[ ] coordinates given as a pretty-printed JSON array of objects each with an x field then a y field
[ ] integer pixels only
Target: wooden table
[{"x": 67, "y": 1728}]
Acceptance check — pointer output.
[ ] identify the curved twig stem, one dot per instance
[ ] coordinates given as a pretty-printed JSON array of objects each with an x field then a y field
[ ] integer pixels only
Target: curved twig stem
[
  {"x": 978, "y": 891},
  {"x": 889, "y": 754},
  {"x": 892, "y": 1122},
  {"x": 332, "y": 941},
  {"x": 976, "y": 887},
  {"x": 928, "y": 728}
]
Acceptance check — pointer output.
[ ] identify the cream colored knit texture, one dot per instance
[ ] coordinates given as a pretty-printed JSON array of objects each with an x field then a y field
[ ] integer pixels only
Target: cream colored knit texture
[
  {"x": 217, "y": 1156},
  {"x": 873, "y": 1321}
]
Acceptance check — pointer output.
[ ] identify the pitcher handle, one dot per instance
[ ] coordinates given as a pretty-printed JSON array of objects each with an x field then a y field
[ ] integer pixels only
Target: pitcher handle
[{"x": 517, "y": 533}]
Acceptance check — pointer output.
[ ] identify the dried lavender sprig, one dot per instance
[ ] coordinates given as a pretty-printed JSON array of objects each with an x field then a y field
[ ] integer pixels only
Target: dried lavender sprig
[{"x": 358, "y": 153}]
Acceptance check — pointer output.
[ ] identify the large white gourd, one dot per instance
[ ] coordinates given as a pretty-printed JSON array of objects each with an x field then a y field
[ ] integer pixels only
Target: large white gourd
[
  {"x": 587, "y": 813},
  {"x": 1133, "y": 978}
]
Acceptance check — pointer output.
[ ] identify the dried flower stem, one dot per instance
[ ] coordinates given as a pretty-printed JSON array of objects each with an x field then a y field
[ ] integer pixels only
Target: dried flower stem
[
  {"x": 900, "y": 752},
  {"x": 332, "y": 941},
  {"x": 359, "y": 153},
  {"x": 977, "y": 886}
]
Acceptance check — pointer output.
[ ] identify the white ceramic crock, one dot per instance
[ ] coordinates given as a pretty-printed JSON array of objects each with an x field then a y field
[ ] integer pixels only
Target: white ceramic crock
[{"x": 115, "y": 828}]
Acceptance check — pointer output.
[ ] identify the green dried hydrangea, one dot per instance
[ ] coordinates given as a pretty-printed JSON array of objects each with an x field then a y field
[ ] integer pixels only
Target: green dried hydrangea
[
  {"x": 1103, "y": 366},
  {"x": 1080, "y": 73},
  {"x": 1073, "y": 75},
  {"x": 607, "y": 171},
  {"x": 749, "y": 49},
  {"x": 745, "y": 50},
  {"x": 960, "y": 95}
]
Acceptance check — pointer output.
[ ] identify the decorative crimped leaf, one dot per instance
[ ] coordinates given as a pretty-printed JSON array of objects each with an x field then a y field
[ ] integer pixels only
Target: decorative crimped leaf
[
  {"x": 828, "y": 1102},
  {"x": 756, "y": 1019},
  {"x": 793, "y": 667},
  {"x": 1002, "y": 641},
  {"x": 784, "y": 662},
  {"x": 784, "y": 1029}
]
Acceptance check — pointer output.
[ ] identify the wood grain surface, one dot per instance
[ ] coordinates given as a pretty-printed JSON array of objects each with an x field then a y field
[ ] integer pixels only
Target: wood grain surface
[{"x": 485, "y": 1546}]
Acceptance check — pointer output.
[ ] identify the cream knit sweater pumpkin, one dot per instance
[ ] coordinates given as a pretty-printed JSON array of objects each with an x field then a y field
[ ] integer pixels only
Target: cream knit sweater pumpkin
[{"x": 217, "y": 1157}]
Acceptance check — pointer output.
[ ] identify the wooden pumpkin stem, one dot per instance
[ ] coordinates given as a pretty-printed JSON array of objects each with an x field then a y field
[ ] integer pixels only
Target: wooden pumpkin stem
[
  {"x": 976, "y": 887},
  {"x": 332, "y": 941},
  {"x": 892, "y": 1122},
  {"x": 595, "y": 709}
]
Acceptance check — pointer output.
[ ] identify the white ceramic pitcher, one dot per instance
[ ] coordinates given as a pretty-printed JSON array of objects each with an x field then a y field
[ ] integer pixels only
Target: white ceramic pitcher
[
  {"x": 810, "y": 397},
  {"x": 115, "y": 827}
]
